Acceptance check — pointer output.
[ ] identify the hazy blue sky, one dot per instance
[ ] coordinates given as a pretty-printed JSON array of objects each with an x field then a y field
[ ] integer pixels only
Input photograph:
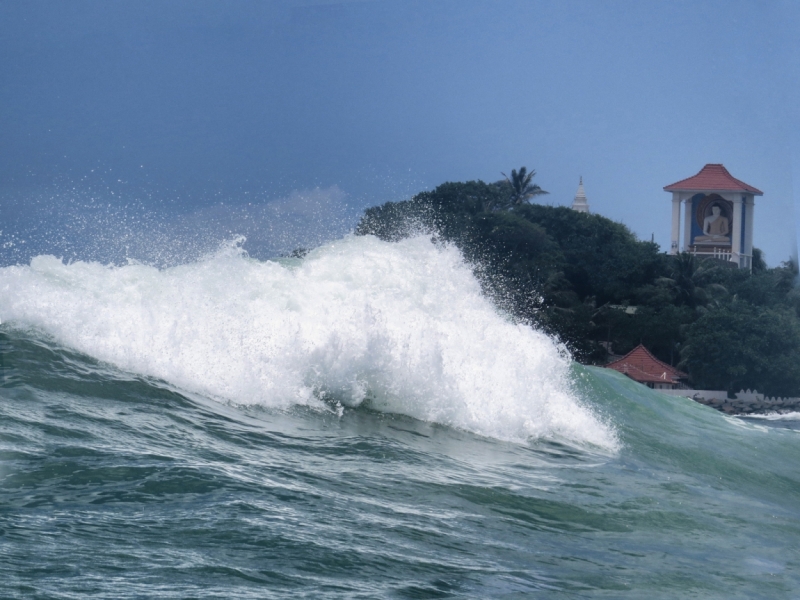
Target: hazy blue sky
[{"x": 175, "y": 107}]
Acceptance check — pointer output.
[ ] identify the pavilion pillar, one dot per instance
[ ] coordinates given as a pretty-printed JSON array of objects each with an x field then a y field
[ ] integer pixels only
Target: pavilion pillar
[
  {"x": 749, "y": 209},
  {"x": 736, "y": 234},
  {"x": 687, "y": 225},
  {"x": 676, "y": 223}
]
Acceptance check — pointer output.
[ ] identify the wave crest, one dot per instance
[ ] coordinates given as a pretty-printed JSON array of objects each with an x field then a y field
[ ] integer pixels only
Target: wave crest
[{"x": 403, "y": 326}]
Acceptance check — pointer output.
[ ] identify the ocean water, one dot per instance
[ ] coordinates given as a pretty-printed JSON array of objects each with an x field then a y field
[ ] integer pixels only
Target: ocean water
[{"x": 361, "y": 423}]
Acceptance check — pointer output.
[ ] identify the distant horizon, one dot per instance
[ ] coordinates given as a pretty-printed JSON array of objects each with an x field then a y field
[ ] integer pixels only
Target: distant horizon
[{"x": 215, "y": 208}]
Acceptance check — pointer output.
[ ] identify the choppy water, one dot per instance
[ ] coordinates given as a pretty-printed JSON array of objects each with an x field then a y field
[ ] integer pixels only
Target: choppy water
[{"x": 360, "y": 424}]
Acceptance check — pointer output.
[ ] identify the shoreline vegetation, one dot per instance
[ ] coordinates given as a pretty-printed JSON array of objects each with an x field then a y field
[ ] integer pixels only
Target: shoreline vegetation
[{"x": 591, "y": 283}]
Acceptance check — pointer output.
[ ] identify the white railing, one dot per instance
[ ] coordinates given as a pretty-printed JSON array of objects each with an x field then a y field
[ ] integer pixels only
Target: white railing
[
  {"x": 722, "y": 254},
  {"x": 745, "y": 261},
  {"x": 718, "y": 253}
]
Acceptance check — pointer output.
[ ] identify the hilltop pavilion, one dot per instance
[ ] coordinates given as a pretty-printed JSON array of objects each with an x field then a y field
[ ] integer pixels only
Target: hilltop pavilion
[{"x": 718, "y": 216}]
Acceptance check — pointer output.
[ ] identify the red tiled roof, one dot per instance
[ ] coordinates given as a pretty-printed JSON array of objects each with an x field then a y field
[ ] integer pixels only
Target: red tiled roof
[
  {"x": 643, "y": 367},
  {"x": 712, "y": 178}
]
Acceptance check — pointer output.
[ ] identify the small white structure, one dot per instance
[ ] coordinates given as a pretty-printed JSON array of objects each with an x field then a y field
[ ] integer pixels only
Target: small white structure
[
  {"x": 718, "y": 216},
  {"x": 580, "y": 203}
]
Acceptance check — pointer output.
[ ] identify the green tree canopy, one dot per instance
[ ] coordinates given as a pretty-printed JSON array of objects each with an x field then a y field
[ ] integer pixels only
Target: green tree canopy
[{"x": 741, "y": 346}]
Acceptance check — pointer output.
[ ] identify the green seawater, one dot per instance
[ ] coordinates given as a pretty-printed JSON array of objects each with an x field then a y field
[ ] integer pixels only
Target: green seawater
[{"x": 114, "y": 485}]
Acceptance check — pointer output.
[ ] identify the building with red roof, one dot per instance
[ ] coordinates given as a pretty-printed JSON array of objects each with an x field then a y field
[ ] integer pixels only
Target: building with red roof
[
  {"x": 718, "y": 215},
  {"x": 640, "y": 365}
]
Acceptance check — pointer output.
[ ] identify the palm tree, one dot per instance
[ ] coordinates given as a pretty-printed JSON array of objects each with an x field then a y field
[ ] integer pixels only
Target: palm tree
[
  {"x": 523, "y": 188},
  {"x": 688, "y": 281}
]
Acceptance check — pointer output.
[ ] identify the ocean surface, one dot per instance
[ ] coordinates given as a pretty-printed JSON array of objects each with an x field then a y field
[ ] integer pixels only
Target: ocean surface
[{"x": 362, "y": 423}]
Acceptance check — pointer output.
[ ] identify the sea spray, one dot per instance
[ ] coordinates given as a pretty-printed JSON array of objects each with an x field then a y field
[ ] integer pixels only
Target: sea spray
[{"x": 402, "y": 327}]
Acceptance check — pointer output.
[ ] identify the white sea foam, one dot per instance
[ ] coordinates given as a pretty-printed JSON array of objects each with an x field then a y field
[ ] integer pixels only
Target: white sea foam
[
  {"x": 404, "y": 326},
  {"x": 788, "y": 416}
]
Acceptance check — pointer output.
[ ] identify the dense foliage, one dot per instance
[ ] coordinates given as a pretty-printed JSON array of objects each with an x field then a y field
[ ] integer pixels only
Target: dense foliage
[{"x": 592, "y": 283}]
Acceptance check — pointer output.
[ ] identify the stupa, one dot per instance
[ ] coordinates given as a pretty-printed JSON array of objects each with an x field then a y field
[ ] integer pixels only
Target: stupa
[{"x": 580, "y": 203}]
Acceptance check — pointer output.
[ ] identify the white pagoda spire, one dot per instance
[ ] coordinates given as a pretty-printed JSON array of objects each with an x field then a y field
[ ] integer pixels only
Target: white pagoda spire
[{"x": 580, "y": 203}]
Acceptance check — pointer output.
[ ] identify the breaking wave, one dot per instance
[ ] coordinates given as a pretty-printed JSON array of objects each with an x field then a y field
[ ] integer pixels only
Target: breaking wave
[{"x": 399, "y": 327}]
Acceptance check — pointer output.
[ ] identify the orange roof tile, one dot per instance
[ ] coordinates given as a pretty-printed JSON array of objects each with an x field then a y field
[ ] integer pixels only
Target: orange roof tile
[
  {"x": 640, "y": 365},
  {"x": 712, "y": 178}
]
